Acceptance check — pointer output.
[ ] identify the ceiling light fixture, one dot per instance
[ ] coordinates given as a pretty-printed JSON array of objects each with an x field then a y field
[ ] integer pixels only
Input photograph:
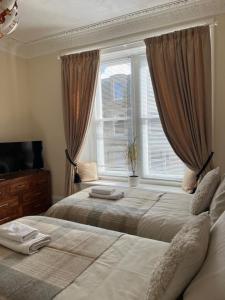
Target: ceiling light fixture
[{"x": 8, "y": 16}]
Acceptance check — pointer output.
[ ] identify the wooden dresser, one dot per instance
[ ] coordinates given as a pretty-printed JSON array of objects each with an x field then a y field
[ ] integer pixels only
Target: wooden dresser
[{"x": 24, "y": 193}]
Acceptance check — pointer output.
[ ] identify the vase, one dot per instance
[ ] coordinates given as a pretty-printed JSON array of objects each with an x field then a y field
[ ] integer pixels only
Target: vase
[{"x": 133, "y": 181}]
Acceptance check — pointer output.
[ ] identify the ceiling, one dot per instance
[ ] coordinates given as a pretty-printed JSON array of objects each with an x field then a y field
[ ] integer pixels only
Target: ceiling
[
  {"x": 62, "y": 26},
  {"x": 43, "y": 18}
]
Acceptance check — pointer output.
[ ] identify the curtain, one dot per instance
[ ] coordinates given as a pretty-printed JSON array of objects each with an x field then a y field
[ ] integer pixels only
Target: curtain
[
  {"x": 180, "y": 68},
  {"x": 79, "y": 77}
]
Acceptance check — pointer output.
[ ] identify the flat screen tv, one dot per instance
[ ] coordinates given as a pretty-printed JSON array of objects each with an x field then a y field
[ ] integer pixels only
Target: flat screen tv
[{"x": 18, "y": 156}]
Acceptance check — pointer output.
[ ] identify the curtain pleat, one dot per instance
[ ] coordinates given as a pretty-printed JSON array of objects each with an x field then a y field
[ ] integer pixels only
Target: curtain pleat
[
  {"x": 180, "y": 68},
  {"x": 79, "y": 77}
]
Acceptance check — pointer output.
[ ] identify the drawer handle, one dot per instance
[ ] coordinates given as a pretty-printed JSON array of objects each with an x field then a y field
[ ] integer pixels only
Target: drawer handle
[
  {"x": 37, "y": 194},
  {"x": 4, "y": 205},
  {"x": 21, "y": 185}
]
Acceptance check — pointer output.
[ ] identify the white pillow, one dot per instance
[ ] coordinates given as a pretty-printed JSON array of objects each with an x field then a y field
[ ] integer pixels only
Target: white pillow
[
  {"x": 209, "y": 284},
  {"x": 87, "y": 171},
  {"x": 205, "y": 191},
  {"x": 189, "y": 181},
  {"x": 217, "y": 206},
  {"x": 181, "y": 261}
]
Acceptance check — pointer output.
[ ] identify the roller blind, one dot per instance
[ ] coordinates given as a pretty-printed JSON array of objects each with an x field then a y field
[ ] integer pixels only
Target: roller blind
[{"x": 126, "y": 107}]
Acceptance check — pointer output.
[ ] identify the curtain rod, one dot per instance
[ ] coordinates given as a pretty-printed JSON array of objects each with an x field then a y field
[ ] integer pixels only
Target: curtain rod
[{"x": 109, "y": 44}]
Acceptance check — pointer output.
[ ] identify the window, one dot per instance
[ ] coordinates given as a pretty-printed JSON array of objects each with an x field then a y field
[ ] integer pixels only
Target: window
[{"x": 126, "y": 107}]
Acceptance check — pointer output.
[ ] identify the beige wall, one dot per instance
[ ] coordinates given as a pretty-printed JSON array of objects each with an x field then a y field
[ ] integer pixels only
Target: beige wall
[
  {"x": 15, "y": 119},
  {"x": 45, "y": 87},
  {"x": 39, "y": 115}
]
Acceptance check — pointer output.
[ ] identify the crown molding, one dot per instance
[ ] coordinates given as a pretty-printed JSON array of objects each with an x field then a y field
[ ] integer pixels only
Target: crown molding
[
  {"x": 117, "y": 20},
  {"x": 128, "y": 26}
]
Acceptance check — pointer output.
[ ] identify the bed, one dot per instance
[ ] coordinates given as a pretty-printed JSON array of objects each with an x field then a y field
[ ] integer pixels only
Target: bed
[
  {"x": 81, "y": 262},
  {"x": 84, "y": 262},
  {"x": 150, "y": 214}
]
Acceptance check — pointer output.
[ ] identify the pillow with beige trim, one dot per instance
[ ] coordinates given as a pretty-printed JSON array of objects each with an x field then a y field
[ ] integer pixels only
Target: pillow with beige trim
[
  {"x": 87, "y": 171},
  {"x": 181, "y": 261},
  {"x": 217, "y": 206},
  {"x": 189, "y": 181},
  {"x": 205, "y": 191}
]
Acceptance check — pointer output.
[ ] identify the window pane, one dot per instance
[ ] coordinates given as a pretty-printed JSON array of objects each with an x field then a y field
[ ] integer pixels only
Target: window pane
[
  {"x": 159, "y": 160},
  {"x": 114, "y": 117}
]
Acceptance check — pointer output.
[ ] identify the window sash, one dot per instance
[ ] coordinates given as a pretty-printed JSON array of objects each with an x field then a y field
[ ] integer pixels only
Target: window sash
[{"x": 139, "y": 119}]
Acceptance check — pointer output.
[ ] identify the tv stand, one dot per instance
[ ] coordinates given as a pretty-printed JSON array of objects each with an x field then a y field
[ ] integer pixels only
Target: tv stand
[{"x": 24, "y": 193}]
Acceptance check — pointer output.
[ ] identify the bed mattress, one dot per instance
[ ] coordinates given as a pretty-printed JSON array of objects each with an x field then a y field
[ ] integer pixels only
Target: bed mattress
[{"x": 145, "y": 213}]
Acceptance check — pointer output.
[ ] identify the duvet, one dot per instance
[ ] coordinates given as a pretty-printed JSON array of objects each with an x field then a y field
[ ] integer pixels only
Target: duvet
[
  {"x": 80, "y": 263},
  {"x": 145, "y": 213}
]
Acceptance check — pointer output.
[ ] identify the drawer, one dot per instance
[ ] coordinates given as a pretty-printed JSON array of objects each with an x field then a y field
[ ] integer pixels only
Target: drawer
[
  {"x": 9, "y": 210},
  {"x": 39, "y": 183},
  {"x": 19, "y": 186},
  {"x": 35, "y": 189},
  {"x": 36, "y": 196},
  {"x": 3, "y": 192}
]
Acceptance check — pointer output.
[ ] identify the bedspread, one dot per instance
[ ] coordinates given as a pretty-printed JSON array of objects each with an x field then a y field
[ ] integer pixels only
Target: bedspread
[
  {"x": 81, "y": 262},
  {"x": 149, "y": 214}
]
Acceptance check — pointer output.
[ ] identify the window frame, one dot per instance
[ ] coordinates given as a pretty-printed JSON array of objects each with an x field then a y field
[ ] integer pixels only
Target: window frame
[
  {"x": 99, "y": 117},
  {"x": 134, "y": 57}
]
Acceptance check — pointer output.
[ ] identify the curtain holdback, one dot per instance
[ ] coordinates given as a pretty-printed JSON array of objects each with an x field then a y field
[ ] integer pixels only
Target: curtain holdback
[{"x": 77, "y": 178}]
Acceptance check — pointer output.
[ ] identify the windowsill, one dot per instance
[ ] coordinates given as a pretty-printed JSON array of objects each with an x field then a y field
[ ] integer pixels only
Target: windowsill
[
  {"x": 156, "y": 185},
  {"x": 160, "y": 182}
]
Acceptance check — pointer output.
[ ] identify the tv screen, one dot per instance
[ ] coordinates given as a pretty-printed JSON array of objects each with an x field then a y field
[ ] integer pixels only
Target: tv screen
[{"x": 17, "y": 156}]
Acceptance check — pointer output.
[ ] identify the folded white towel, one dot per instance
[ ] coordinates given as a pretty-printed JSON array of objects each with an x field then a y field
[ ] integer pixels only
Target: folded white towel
[
  {"x": 113, "y": 196},
  {"x": 28, "y": 247},
  {"x": 102, "y": 190},
  {"x": 17, "y": 231}
]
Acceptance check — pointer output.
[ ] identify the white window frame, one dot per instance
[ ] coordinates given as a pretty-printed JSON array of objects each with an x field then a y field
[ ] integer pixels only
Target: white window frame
[
  {"x": 135, "y": 74},
  {"x": 99, "y": 118}
]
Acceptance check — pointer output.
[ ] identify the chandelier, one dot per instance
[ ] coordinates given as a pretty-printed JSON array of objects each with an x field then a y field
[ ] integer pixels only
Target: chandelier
[{"x": 8, "y": 16}]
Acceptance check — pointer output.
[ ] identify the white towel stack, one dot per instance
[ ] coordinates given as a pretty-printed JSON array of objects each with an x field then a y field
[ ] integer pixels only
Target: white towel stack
[
  {"x": 105, "y": 193},
  {"x": 22, "y": 238}
]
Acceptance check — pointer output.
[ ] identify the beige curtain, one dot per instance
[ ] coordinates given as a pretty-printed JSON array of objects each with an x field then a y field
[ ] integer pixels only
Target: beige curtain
[
  {"x": 180, "y": 68},
  {"x": 79, "y": 77}
]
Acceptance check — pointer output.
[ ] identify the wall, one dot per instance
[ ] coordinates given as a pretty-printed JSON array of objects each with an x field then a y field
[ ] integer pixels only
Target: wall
[
  {"x": 45, "y": 87},
  {"x": 15, "y": 118}
]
